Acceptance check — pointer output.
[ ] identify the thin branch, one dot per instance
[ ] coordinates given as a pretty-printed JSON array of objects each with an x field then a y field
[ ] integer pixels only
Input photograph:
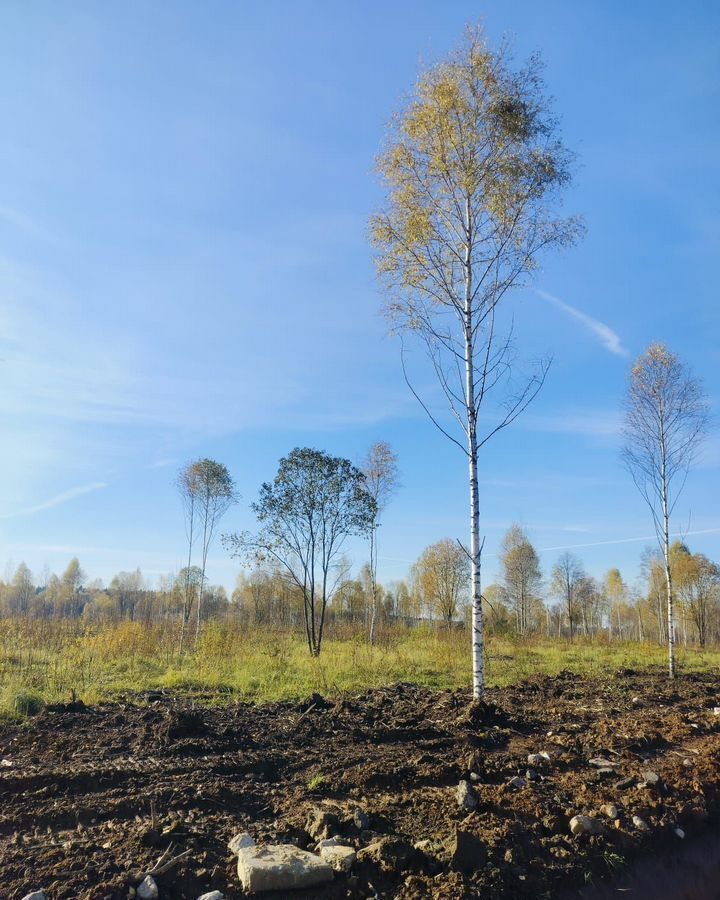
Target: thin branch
[{"x": 421, "y": 402}]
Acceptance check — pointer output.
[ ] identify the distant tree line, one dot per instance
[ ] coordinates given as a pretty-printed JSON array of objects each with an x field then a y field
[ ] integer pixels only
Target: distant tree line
[
  {"x": 565, "y": 602},
  {"x": 128, "y": 596},
  {"x": 571, "y": 603}
]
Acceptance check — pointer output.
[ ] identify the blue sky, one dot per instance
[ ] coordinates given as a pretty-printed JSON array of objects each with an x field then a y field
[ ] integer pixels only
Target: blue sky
[{"x": 184, "y": 268}]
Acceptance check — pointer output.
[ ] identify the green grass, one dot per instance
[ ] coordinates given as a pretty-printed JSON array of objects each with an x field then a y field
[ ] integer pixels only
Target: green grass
[
  {"x": 52, "y": 661},
  {"x": 315, "y": 782}
]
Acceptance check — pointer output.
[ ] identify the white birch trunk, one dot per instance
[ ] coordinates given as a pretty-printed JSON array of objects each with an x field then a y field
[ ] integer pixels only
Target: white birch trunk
[
  {"x": 186, "y": 602},
  {"x": 373, "y": 581},
  {"x": 668, "y": 573},
  {"x": 478, "y": 675},
  {"x": 477, "y": 610}
]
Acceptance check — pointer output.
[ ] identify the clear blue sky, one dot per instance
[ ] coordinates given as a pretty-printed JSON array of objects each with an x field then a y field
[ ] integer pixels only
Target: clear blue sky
[{"x": 184, "y": 267}]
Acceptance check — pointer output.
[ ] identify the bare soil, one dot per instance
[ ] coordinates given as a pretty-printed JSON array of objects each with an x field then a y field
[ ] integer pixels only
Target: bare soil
[{"x": 91, "y": 797}]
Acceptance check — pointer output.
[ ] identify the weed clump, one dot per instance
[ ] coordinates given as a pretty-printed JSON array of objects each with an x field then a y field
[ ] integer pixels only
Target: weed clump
[
  {"x": 25, "y": 704},
  {"x": 316, "y": 782}
]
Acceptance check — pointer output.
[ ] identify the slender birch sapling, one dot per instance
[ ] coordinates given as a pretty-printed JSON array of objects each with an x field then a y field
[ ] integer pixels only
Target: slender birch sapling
[
  {"x": 381, "y": 480},
  {"x": 207, "y": 491},
  {"x": 666, "y": 418}
]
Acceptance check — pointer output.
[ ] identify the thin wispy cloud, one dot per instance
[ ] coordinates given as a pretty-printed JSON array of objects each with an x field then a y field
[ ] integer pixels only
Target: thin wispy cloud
[
  {"x": 396, "y": 562},
  {"x": 604, "y": 333},
  {"x": 18, "y": 219},
  {"x": 163, "y": 463},
  {"x": 631, "y": 540},
  {"x": 550, "y": 526},
  {"x": 128, "y": 383},
  {"x": 58, "y": 499}
]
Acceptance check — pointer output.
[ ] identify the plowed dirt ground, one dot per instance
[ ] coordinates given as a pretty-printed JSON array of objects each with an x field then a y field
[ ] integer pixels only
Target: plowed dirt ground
[{"x": 90, "y": 797}]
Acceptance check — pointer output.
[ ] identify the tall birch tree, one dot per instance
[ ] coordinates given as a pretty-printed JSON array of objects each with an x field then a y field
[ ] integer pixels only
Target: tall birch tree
[
  {"x": 522, "y": 578},
  {"x": 187, "y": 486},
  {"x": 381, "y": 480},
  {"x": 565, "y": 578},
  {"x": 207, "y": 491},
  {"x": 666, "y": 417},
  {"x": 473, "y": 167},
  {"x": 215, "y": 494}
]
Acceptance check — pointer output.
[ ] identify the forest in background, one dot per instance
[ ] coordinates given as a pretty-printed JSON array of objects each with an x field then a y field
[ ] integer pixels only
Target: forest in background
[{"x": 563, "y": 603}]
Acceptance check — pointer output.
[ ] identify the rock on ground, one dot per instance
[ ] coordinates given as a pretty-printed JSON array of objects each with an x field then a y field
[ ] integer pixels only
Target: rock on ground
[
  {"x": 34, "y": 895},
  {"x": 213, "y": 895},
  {"x": 240, "y": 842},
  {"x": 624, "y": 783},
  {"x": 536, "y": 760},
  {"x": 281, "y": 867},
  {"x": 340, "y": 857},
  {"x": 600, "y": 762},
  {"x": 466, "y": 796},
  {"x": 148, "y": 889},
  {"x": 585, "y": 825}
]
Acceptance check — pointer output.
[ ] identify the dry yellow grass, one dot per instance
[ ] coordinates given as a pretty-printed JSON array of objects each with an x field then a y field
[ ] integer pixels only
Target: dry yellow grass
[{"x": 51, "y": 661}]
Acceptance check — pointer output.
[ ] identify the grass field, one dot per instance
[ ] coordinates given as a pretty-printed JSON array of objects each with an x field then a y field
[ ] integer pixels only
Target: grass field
[{"x": 44, "y": 662}]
